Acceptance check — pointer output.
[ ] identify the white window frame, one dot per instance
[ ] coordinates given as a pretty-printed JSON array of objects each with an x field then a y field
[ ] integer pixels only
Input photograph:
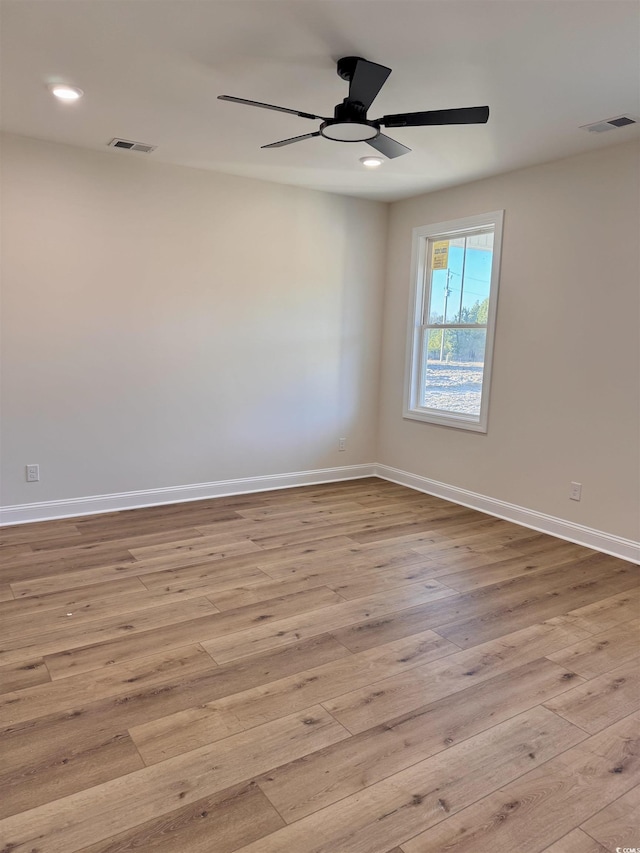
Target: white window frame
[{"x": 420, "y": 294}]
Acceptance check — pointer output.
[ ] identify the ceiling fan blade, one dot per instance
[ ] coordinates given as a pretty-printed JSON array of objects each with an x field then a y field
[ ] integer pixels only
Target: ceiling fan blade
[
  {"x": 268, "y": 107},
  {"x": 464, "y": 115},
  {"x": 367, "y": 80},
  {"x": 292, "y": 139},
  {"x": 387, "y": 146}
]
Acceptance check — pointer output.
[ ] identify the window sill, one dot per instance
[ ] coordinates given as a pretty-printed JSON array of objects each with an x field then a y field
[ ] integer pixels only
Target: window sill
[{"x": 431, "y": 416}]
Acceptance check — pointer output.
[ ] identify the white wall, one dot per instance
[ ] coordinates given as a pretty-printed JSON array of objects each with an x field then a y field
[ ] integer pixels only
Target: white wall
[
  {"x": 165, "y": 326},
  {"x": 566, "y": 383}
]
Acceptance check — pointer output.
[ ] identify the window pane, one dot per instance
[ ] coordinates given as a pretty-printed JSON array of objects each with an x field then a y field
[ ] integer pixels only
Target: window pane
[
  {"x": 460, "y": 279},
  {"x": 474, "y": 304},
  {"x": 446, "y": 264},
  {"x": 454, "y": 370}
]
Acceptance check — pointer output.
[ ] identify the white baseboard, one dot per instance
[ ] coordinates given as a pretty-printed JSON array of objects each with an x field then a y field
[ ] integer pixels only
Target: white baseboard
[
  {"x": 626, "y": 549},
  {"x": 49, "y": 510}
]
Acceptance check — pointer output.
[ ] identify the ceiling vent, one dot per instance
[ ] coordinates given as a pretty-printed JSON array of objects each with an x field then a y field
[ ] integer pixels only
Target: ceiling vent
[
  {"x": 609, "y": 124},
  {"x": 128, "y": 145}
]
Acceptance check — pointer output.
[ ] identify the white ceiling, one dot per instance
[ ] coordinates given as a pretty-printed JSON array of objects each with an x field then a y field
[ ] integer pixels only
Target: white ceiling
[{"x": 151, "y": 71}]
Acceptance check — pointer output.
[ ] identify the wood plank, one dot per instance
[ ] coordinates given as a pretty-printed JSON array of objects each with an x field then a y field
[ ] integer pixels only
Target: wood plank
[
  {"x": 89, "y": 816},
  {"x": 305, "y": 786},
  {"x": 98, "y": 608},
  {"x": 267, "y": 637},
  {"x": 217, "y": 824},
  {"x": 18, "y": 533},
  {"x": 490, "y": 571},
  {"x": 341, "y": 561},
  {"x": 365, "y": 707},
  {"x": 61, "y": 642},
  {"x": 617, "y": 824},
  {"x": 438, "y": 521},
  {"x": 601, "y": 701},
  {"x": 543, "y": 595},
  {"x": 23, "y": 567},
  {"x": 300, "y": 509},
  {"x": 602, "y": 652},
  {"x": 477, "y": 534},
  {"x": 396, "y": 808},
  {"x": 61, "y": 583},
  {"x": 378, "y": 580},
  {"x": 360, "y": 636},
  {"x": 32, "y": 606},
  {"x": 214, "y": 577},
  {"x": 576, "y": 841},
  {"x": 114, "y": 534},
  {"x": 186, "y": 544},
  {"x": 185, "y": 632},
  {"x": 607, "y": 613},
  {"x": 8, "y": 551},
  {"x": 214, "y": 720},
  {"x": 146, "y": 520},
  {"x": 76, "y": 690},
  {"x": 544, "y": 805},
  {"x": 252, "y": 593},
  {"x": 18, "y": 676},
  {"x": 309, "y": 529},
  {"x": 537, "y": 543},
  {"x": 218, "y": 508},
  {"x": 461, "y": 558},
  {"x": 63, "y": 769},
  {"x": 48, "y": 580},
  {"x": 251, "y": 529}
]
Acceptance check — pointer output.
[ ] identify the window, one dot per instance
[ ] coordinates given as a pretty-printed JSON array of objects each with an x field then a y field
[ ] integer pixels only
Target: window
[{"x": 455, "y": 274}]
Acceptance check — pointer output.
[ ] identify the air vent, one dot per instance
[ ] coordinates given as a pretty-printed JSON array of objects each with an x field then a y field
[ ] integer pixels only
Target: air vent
[
  {"x": 132, "y": 146},
  {"x": 609, "y": 124}
]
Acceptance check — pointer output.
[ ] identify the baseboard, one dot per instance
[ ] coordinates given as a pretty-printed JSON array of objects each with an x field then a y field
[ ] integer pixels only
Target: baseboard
[
  {"x": 50, "y": 510},
  {"x": 626, "y": 549}
]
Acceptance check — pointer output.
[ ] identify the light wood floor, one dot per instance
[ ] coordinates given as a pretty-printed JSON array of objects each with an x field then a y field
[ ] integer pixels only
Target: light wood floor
[{"x": 348, "y": 668}]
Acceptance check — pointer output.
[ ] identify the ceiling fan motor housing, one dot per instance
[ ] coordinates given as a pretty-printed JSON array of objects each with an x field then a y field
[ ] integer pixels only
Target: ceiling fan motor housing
[{"x": 349, "y": 124}]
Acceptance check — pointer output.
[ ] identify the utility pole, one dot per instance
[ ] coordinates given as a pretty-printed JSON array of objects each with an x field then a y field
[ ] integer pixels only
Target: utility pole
[{"x": 444, "y": 315}]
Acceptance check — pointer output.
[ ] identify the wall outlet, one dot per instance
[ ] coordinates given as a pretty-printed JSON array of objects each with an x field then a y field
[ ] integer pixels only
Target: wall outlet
[
  {"x": 33, "y": 473},
  {"x": 575, "y": 491},
  {"x": 342, "y": 444}
]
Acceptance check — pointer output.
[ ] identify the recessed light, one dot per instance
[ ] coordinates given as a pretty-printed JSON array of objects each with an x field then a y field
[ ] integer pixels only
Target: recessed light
[
  {"x": 371, "y": 162},
  {"x": 64, "y": 92}
]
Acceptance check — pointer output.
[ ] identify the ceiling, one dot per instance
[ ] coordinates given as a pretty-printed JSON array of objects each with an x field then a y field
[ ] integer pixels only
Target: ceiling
[{"x": 151, "y": 71}]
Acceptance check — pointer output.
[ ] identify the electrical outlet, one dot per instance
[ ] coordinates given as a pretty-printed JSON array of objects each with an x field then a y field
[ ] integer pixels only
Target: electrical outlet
[
  {"x": 33, "y": 473},
  {"x": 575, "y": 491},
  {"x": 342, "y": 444}
]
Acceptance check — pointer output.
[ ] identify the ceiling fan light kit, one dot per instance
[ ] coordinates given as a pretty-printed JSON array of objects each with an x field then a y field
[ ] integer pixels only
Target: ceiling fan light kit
[
  {"x": 349, "y": 131},
  {"x": 350, "y": 122}
]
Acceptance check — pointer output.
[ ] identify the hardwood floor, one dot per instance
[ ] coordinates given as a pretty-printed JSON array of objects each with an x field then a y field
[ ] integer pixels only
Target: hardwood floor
[{"x": 345, "y": 668}]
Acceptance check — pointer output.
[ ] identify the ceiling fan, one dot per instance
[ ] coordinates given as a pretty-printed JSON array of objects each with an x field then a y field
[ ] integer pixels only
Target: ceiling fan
[{"x": 350, "y": 122}]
